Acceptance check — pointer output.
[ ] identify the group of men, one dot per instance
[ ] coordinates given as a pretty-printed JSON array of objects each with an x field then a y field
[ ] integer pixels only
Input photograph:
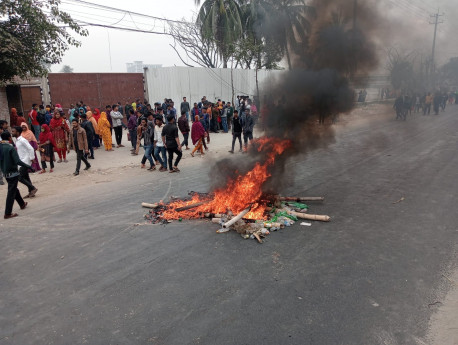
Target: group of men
[{"x": 407, "y": 102}]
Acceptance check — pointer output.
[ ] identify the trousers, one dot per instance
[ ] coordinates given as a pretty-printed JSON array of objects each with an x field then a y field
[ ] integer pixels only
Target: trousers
[
  {"x": 13, "y": 194},
  {"x": 170, "y": 152}
]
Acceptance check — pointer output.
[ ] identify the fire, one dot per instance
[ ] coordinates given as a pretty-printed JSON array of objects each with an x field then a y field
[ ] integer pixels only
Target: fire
[{"x": 239, "y": 193}]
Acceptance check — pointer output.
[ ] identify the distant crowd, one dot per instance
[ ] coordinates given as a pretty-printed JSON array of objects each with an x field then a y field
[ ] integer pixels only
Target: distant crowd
[
  {"x": 406, "y": 103},
  {"x": 50, "y": 131}
]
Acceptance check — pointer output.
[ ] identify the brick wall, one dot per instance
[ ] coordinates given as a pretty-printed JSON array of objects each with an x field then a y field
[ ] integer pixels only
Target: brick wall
[{"x": 4, "y": 112}]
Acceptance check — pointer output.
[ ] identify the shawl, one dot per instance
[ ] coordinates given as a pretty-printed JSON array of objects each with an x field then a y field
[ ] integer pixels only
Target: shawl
[
  {"x": 13, "y": 117},
  {"x": 96, "y": 114},
  {"x": 90, "y": 117},
  {"x": 103, "y": 122},
  {"x": 55, "y": 123},
  {"x": 27, "y": 134},
  {"x": 197, "y": 132},
  {"x": 46, "y": 135}
]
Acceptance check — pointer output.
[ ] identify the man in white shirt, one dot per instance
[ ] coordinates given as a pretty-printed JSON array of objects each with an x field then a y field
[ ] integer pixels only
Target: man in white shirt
[
  {"x": 159, "y": 148},
  {"x": 26, "y": 154}
]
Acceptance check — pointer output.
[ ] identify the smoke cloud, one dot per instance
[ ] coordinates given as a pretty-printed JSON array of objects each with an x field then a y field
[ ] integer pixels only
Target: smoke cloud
[{"x": 304, "y": 102}]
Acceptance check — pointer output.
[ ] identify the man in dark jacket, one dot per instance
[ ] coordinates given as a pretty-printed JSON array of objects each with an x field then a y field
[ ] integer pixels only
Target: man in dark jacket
[
  {"x": 9, "y": 161},
  {"x": 90, "y": 132},
  {"x": 247, "y": 127},
  {"x": 236, "y": 131},
  {"x": 183, "y": 125},
  {"x": 78, "y": 142},
  {"x": 172, "y": 143},
  {"x": 185, "y": 107}
]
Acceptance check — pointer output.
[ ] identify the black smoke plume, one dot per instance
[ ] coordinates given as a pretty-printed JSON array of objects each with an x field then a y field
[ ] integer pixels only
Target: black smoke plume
[{"x": 304, "y": 102}]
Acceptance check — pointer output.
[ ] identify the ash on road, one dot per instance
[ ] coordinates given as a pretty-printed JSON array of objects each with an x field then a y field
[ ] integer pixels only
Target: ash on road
[{"x": 76, "y": 270}]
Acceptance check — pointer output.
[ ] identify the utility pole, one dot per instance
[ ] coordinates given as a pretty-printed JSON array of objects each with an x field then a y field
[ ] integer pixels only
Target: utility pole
[
  {"x": 435, "y": 23},
  {"x": 355, "y": 6}
]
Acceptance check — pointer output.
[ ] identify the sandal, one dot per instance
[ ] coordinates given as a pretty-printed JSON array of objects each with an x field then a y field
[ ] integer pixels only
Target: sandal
[
  {"x": 176, "y": 169},
  {"x": 151, "y": 169},
  {"x": 192, "y": 154},
  {"x": 51, "y": 171},
  {"x": 172, "y": 171},
  {"x": 42, "y": 172}
]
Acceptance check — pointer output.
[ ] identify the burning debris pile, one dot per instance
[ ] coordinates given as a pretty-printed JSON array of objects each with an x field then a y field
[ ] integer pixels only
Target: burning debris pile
[
  {"x": 278, "y": 212},
  {"x": 242, "y": 204}
]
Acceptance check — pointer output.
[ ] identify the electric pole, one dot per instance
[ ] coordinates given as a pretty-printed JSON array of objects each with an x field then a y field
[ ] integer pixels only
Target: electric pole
[
  {"x": 355, "y": 7},
  {"x": 435, "y": 23}
]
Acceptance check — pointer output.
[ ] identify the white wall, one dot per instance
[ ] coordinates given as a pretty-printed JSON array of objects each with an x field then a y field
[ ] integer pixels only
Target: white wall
[{"x": 195, "y": 82}]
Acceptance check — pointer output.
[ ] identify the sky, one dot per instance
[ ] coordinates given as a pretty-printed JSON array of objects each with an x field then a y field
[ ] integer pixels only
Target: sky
[{"x": 108, "y": 50}]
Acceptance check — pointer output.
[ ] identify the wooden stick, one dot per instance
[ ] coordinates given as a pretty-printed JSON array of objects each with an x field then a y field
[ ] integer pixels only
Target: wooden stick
[
  {"x": 236, "y": 218},
  {"x": 146, "y": 205},
  {"x": 184, "y": 208},
  {"x": 216, "y": 220},
  {"x": 255, "y": 234},
  {"x": 304, "y": 198},
  {"x": 321, "y": 218}
]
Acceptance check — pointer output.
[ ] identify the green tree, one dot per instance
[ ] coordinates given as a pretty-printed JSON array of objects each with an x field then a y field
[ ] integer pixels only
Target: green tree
[
  {"x": 33, "y": 34},
  {"x": 66, "y": 69},
  {"x": 221, "y": 21}
]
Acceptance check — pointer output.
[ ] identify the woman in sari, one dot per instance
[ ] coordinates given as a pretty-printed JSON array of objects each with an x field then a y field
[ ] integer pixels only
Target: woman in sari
[
  {"x": 104, "y": 130},
  {"x": 30, "y": 137},
  {"x": 90, "y": 117},
  {"x": 60, "y": 130},
  {"x": 47, "y": 146},
  {"x": 96, "y": 116},
  {"x": 198, "y": 136}
]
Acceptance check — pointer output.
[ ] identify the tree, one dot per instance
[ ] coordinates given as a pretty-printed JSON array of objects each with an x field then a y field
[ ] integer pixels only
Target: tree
[
  {"x": 199, "y": 50},
  {"x": 448, "y": 73},
  {"x": 66, "y": 69},
  {"x": 401, "y": 68},
  {"x": 34, "y": 34},
  {"x": 221, "y": 22}
]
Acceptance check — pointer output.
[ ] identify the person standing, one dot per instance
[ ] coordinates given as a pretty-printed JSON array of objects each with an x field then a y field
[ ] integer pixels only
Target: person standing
[
  {"x": 30, "y": 137},
  {"x": 90, "y": 132},
  {"x": 47, "y": 145},
  {"x": 9, "y": 161},
  {"x": 159, "y": 148},
  {"x": 104, "y": 131},
  {"x": 26, "y": 154},
  {"x": 247, "y": 128},
  {"x": 34, "y": 121},
  {"x": 132, "y": 126},
  {"x": 183, "y": 125},
  {"x": 197, "y": 136},
  {"x": 236, "y": 131},
  {"x": 224, "y": 118},
  {"x": 14, "y": 117},
  {"x": 95, "y": 123},
  {"x": 148, "y": 144},
  {"x": 78, "y": 142},
  {"x": 60, "y": 130},
  {"x": 230, "y": 114},
  {"x": 117, "y": 117},
  {"x": 172, "y": 143},
  {"x": 185, "y": 108},
  {"x": 428, "y": 102}
]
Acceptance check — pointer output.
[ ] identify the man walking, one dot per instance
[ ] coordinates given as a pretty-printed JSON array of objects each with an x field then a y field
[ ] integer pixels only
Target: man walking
[
  {"x": 78, "y": 142},
  {"x": 185, "y": 108},
  {"x": 9, "y": 161},
  {"x": 90, "y": 132},
  {"x": 26, "y": 154},
  {"x": 183, "y": 125},
  {"x": 172, "y": 143},
  {"x": 247, "y": 127},
  {"x": 116, "y": 117},
  {"x": 159, "y": 148},
  {"x": 236, "y": 131}
]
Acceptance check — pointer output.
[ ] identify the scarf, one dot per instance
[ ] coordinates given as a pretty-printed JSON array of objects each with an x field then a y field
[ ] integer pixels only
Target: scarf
[
  {"x": 197, "y": 131},
  {"x": 46, "y": 135},
  {"x": 96, "y": 114},
  {"x": 27, "y": 134}
]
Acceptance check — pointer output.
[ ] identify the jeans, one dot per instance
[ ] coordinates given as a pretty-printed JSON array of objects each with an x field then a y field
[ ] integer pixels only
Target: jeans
[
  {"x": 13, "y": 194},
  {"x": 37, "y": 130},
  {"x": 24, "y": 178},
  {"x": 427, "y": 109},
  {"x": 185, "y": 139},
  {"x": 162, "y": 151},
  {"x": 224, "y": 123},
  {"x": 118, "y": 134},
  {"x": 133, "y": 137},
  {"x": 80, "y": 157},
  {"x": 148, "y": 151},
  {"x": 171, "y": 151},
  {"x": 234, "y": 138},
  {"x": 187, "y": 115},
  {"x": 247, "y": 136}
]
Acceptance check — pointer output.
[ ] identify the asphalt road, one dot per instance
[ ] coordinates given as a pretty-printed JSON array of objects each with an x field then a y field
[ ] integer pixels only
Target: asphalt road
[{"x": 76, "y": 270}]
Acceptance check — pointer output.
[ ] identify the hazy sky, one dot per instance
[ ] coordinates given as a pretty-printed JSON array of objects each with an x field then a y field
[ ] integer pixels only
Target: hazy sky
[{"x": 412, "y": 31}]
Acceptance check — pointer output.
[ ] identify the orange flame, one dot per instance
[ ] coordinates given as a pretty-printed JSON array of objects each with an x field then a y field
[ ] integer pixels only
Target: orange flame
[{"x": 240, "y": 192}]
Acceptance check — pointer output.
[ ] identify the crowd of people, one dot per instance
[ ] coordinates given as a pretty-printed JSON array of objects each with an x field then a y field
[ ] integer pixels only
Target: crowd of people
[
  {"x": 50, "y": 131},
  {"x": 407, "y": 103}
]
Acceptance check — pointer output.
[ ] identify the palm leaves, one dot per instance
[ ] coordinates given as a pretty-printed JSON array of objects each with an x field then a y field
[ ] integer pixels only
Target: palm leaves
[{"x": 276, "y": 24}]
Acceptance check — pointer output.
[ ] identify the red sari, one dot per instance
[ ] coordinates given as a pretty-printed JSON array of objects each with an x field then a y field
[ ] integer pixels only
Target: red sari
[{"x": 59, "y": 130}]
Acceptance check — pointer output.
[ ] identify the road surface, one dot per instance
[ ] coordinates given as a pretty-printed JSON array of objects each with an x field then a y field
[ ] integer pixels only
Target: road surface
[{"x": 75, "y": 269}]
